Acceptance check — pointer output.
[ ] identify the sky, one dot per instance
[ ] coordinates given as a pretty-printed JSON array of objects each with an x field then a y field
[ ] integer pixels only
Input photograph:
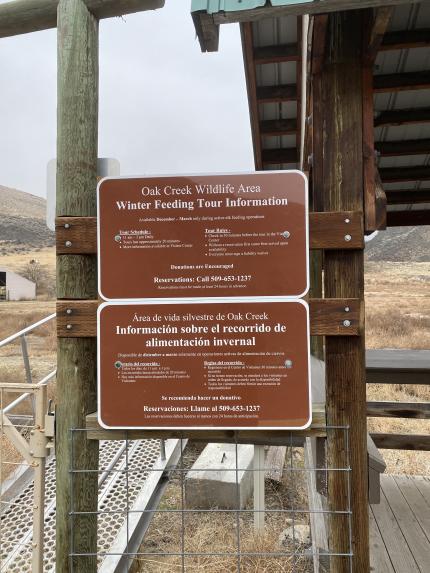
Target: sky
[{"x": 165, "y": 107}]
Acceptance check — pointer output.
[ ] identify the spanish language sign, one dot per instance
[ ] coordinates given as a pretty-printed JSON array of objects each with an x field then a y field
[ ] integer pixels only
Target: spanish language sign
[
  {"x": 203, "y": 365},
  {"x": 203, "y": 236}
]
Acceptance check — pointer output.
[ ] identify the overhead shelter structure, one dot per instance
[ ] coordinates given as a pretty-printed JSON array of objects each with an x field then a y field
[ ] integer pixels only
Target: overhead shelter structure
[{"x": 340, "y": 89}]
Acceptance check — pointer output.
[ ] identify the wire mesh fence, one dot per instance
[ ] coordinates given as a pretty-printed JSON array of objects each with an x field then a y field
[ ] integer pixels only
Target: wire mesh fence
[{"x": 220, "y": 525}]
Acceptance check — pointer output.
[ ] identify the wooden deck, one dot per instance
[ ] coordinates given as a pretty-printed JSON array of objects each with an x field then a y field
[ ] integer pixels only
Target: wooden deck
[{"x": 400, "y": 526}]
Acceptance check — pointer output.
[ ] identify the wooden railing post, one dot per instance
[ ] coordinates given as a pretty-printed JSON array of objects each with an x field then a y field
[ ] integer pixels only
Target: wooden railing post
[
  {"x": 76, "y": 279},
  {"x": 341, "y": 107}
]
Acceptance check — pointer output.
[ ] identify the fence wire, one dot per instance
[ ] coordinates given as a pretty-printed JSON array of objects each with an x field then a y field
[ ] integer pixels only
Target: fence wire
[{"x": 169, "y": 525}]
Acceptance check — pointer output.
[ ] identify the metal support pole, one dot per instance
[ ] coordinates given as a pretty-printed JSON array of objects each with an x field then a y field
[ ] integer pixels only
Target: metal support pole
[
  {"x": 28, "y": 376},
  {"x": 39, "y": 484},
  {"x": 259, "y": 498}
]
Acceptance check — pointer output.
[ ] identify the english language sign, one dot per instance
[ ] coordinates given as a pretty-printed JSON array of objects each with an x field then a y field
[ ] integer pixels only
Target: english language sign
[
  {"x": 242, "y": 365},
  {"x": 217, "y": 236}
]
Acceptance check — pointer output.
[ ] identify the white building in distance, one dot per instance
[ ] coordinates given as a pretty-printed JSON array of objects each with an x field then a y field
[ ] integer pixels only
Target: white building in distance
[{"x": 15, "y": 287}]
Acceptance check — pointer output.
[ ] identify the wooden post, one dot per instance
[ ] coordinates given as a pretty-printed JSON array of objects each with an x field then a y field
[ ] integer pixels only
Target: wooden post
[
  {"x": 76, "y": 279},
  {"x": 342, "y": 113}
]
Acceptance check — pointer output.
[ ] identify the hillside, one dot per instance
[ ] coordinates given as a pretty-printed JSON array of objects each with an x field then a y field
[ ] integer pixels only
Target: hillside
[
  {"x": 401, "y": 244},
  {"x": 22, "y": 222}
]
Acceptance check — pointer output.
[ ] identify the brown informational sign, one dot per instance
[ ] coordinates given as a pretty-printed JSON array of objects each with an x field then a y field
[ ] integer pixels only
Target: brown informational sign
[
  {"x": 203, "y": 236},
  {"x": 204, "y": 365}
]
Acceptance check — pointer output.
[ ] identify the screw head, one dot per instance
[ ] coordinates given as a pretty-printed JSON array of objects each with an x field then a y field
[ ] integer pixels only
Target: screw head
[
  {"x": 286, "y": 234},
  {"x": 348, "y": 238},
  {"x": 118, "y": 364},
  {"x": 69, "y": 327},
  {"x": 347, "y": 309},
  {"x": 346, "y": 323},
  {"x": 68, "y": 243},
  {"x": 66, "y": 226},
  {"x": 288, "y": 364},
  {"x": 347, "y": 221},
  {"x": 69, "y": 311},
  {"x": 118, "y": 238}
]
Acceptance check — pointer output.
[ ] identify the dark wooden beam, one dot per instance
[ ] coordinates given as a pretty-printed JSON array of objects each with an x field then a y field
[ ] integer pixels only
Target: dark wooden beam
[
  {"x": 403, "y": 196},
  {"x": 401, "y": 82},
  {"x": 375, "y": 32},
  {"x": 398, "y": 410},
  {"x": 319, "y": 40},
  {"x": 24, "y": 16},
  {"x": 285, "y": 92},
  {"x": 369, "y": 163},
  {"x": 408, "y": 218},
  {"x": 403, "y": 117},
  {"x": 406, "y": 147},
  {"x": 406, "y": 39},
  {"x": 342, "y": 188},
  {"x": 275, "y": 127},
  {"x": 251, "y": 84},
  {"x": 275, "y": 54},
  {"x": 206, "y": 30},
  {"x": 281, "y": 155},
  {"x": 380, "y": 204},
  {"x": 402, "y": 441},
  {"x": 398, "y": 174}
]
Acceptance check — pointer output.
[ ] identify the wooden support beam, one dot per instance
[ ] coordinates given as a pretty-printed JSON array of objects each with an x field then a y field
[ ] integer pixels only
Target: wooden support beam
[
  {"x": 380, "y": 204},
  {"x": 402, "y": 441},
  {"x": 398, "y": 410},
  {"x": 257, "y": 437},
  {"x": 269, "y": 94},
  {"x": 276, "y": 54},
  {"x": 369, "y": 162},
  {"x": 279, "y": 156},
  {"x": 406, "y": 39},
  {"x": 403, "y": 196},
  {"x": 276, "y": 127},
  {"x": 342, "y": 188},
  {"x": 401, "y": 82},
  {"x": 400, "y": 174},
  {"x": 395, "y": 117},
  {"x": 78, "y": 318},
  {"x": 408, "y": 218},
  {"x": 24, "y": 16},
  {"x": 405, "y": 147},
  {"x": 77, "y": 135},
  {"x": 375, "y": 32},
  {"x": 319, "y": 41},
  {"x": 338, "y": 230},
  {"x": 251, "y": 82}
]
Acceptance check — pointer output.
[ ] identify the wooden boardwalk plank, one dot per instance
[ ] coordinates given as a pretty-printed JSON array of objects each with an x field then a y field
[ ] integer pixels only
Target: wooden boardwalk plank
[
  {"x": 380, "y": 561},
  {"x": 423, "y": 484},
  {"x": 418, "y": 504},
  {"x": 395, "y": 543},
  {"x": 411, "y": 529}
]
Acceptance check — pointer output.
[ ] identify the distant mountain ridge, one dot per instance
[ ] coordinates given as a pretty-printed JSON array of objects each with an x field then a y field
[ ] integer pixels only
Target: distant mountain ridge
[
  {"x": 22, "y": 222},
  {"x": 400, "y": 244}
]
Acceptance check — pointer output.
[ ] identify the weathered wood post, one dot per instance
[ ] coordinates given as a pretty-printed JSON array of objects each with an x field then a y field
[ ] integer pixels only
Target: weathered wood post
[
  {"x": 76, "y": 279},
  {"x": 342, "y": 189}
]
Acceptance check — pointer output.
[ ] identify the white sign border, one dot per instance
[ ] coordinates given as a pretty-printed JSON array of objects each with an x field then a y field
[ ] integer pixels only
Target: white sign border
[
  {"x": 279, "y": 298},
  {"x": 152, "y": 302}
]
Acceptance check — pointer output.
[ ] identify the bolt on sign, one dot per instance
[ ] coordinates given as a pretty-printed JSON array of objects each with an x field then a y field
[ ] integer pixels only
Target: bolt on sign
[
  {"x": 242, "y": 235},
  {"x": 242, "y": 365}
]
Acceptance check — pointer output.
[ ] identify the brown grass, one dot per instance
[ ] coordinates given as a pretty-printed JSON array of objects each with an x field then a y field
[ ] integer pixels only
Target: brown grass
[
  {"x": 217, "y": 532},
  {"x": 398, "y": 316}
]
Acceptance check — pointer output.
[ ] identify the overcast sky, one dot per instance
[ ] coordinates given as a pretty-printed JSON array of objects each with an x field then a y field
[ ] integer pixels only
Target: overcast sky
[{"x": 164, "y": 106}]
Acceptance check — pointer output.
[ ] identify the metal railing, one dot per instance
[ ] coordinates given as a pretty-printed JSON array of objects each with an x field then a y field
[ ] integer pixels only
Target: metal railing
[{"x": 32, "y": 441}]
